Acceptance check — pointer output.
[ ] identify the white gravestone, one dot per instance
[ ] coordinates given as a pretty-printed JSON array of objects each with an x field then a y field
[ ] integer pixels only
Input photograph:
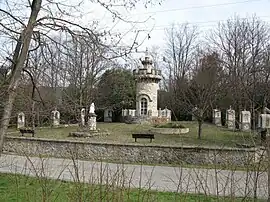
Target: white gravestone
[
  {"x": 108, "y": 115},
  {"x": 55, "y": 118},
  {"x": 124, "y": 112},
  {"x": 217, "y": 117},
  {"x": 83, "y": 117},
  {"x": 245, "y": 120},
  {"x": 230, "y": 119},
  {"x": 21, "y": 120},
  {"x": 133, "y": 112},
  {"x": 92, "y": 121},
  {"x": 265, "y": 121}
]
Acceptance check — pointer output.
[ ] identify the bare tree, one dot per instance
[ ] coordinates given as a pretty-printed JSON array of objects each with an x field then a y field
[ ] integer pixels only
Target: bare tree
[
  {"x": 199, "y": 93},
  {"x": 55, "y": 18},
  {"x": 241, "y": 44},
  {"x": 181, "y": 47}
]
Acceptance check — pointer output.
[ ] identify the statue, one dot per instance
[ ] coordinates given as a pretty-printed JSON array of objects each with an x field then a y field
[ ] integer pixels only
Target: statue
[{"x": 92, "y": 109}]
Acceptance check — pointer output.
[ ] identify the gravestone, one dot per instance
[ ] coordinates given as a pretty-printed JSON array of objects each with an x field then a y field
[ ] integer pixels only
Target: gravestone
[
  {"x": 124, "y": 112},
  {"x": 108, "y": 115},
  {"x": 133, "y": 112},
  {"x": 230, "y": 119},
  {"x": 265, "y": 121},
  {"x": 217, "y": 117},
  {"x": 21, "y": 120},
  {"x": 83, "y": 117},
  {"x": 245, "y": 120},
  {"x": 55, "y": 118},
  {"x": 92, "y": 120}
]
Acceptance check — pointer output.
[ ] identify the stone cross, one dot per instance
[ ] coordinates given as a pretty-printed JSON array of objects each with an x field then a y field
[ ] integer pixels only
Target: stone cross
[{"x": 21, "y": 120}]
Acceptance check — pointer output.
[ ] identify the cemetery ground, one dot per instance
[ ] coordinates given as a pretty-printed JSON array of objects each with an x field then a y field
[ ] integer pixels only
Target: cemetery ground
[{"x": 121, "y": 133}]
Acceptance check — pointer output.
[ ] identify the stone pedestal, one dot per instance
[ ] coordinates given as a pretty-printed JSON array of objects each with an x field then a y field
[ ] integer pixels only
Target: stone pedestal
[
  {"x": 92, "y": 122},
  {"x": 21, "y": 120},
  {"x": 217, "y": 117},
  {"x": 230, "y": 119},
  {"x": 245, "y": 120}
]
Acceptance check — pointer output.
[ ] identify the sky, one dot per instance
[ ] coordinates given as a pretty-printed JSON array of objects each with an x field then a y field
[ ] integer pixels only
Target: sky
[
  {"x": 154, "y": 19},
  {"x": 203, "y": 13}
]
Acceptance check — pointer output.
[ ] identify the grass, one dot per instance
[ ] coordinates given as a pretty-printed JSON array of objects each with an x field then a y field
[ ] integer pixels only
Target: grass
[
  {"x": 15, "y": 187},
  {"x": 169, "y": 125},
  {"x": 121, "y": 133}
]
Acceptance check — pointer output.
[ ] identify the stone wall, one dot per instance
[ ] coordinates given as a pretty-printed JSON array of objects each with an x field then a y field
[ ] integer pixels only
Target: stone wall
[{"x": 129, "y": 153}]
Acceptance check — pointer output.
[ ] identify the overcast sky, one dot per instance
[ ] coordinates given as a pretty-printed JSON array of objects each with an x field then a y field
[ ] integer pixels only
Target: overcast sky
[{"x": 203, "y": 13}]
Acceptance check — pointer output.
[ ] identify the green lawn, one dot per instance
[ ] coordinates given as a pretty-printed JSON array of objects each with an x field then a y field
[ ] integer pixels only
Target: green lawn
[
  {"x": 121, "y": 133},
  {"x": 21, "y": 188}
]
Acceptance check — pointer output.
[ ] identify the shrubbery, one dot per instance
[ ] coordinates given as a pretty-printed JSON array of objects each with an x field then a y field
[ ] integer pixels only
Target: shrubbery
[{"x": 169, "y": 125}]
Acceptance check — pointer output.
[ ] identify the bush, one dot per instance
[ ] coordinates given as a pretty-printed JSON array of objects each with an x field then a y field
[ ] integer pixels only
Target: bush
[{"x": 170, "y": 125}]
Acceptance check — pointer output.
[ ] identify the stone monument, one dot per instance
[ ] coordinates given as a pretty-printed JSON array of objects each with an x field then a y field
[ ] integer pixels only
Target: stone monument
[
  {"x": 83, "y": 117},
  {"x": 21, "y": 120},
  {"x": 90, "y": 129},
  {"x": 55, "y": 118},
  {"x": 92, "y": 119},
  {"x": 108, "y": 115},
  {"x": 245, "y": 120},
  {"x": 230, "y": 119},
  {"x": 265, "y": 121},
  {"x": 217, "y": 117}
]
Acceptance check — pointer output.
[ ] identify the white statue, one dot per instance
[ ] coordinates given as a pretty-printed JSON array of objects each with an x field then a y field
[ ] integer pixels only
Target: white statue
[{"x": 92, "y": 109}]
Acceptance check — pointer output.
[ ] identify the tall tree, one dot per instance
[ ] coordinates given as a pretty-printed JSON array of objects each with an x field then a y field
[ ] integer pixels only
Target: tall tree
[
  {"x": 54, "y": 17},
  {"x": 116, "y": 89},
  {"x": 199, "y": 93}
]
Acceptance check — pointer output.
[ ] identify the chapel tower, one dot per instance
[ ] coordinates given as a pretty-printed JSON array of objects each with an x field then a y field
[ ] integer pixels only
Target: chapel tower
[{"x": 147, "y": 78}]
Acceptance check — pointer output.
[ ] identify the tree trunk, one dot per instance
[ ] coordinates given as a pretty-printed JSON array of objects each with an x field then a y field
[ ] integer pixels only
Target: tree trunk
[
  {"x": 19, "y": 58},
  {"x": 33, "y": 114},
  {"x": 200, "y": 129}
]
